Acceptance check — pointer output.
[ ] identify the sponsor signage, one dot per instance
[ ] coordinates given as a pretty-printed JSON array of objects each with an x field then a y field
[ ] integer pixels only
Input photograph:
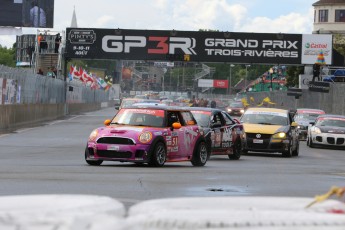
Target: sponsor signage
[
  {"x": 193, "y": 46},
  {"x": 319, "y": 86},
  {"x": 205, "y": 83},
  {"x": 304, "y": 80},
  {"x": 315, "y": 46},
  {"x": 220, "y": 84},
  {"x": 209, "y": 83}
]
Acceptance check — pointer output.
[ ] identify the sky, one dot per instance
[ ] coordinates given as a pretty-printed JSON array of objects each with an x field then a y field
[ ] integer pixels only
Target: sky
[{"x": 259, "y": 16}]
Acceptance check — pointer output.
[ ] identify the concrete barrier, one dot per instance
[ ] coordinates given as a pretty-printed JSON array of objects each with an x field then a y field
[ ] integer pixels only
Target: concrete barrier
[
  {"x": 63, "y": 212},
  {"x": 332, "y": 102},
  {"x": 17, "y": 116},
  {"x": 236, "y": 213}
]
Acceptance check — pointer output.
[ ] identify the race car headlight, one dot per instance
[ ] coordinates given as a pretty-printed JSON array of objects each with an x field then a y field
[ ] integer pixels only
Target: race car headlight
[
  {"x": 93, "y": 135},
  {"x": 242, "y": 110},
  {"x": 298, "y": 127},
  {"x": 229, "y": 110},
  {"x": 145, "y": 137},
  {"x": 316, "y": 130},
  {"x": 279, "y": 135}
]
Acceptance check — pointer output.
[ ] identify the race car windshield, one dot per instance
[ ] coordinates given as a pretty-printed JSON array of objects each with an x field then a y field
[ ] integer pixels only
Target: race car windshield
[
  {"x": 236, "y": 105},
  {"x": 139, "y": 117},
  {"x": 307, "y": 116},
  {"x": 128, "y": 103},
  {"x": 202, "y": 119},
  {"x": 264, "y": 119},
  {"x": 331, "y": 122}
]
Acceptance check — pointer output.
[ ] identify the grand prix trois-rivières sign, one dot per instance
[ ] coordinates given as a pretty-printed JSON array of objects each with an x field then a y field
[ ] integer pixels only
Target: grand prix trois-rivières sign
[{"x": 195, "y": 46}]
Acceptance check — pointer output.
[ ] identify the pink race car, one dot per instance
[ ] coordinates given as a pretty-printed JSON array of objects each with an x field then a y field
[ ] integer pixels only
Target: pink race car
[{"x": 152, "y": 134}]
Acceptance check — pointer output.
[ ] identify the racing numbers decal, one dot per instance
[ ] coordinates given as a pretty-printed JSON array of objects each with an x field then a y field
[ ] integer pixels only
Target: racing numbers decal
[
  {"x": 218, "y": 138},
  {"x": 174, "y": 141},
  {"x": 227, "y": 136}
]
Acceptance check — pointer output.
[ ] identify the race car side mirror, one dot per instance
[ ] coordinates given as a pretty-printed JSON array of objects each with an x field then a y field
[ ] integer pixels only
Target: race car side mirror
[
  {"x": 176, "y": 125},
  {"x": 107, "y": 122},
  {"x": 312, "y": 123}
]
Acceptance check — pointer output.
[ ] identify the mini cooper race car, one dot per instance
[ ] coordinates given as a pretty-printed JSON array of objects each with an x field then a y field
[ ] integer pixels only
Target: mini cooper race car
[
  {"x": 223, "y": 134},
  {"x": 270, "y": 130},
  {"x": 152, "y": 134}
]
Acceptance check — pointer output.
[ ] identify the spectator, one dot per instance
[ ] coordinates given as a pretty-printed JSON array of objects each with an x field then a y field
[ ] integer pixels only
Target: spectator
[
  {"x": 201, "y": 102},
  {"x": 29, "y": 50},
  {"x": 39, "y": 39},
  {"x": 40, "y": 72},
  {"x": 213, "y": 104},
  {"x": 37, "y": 15},
  {"x": 57, "y": 42},
  {"x": 44, "y": 45},
  {"x": 54, "y": 71},
  {"x": 50, "y": 73},
  {"x": 205, "y": 103}
]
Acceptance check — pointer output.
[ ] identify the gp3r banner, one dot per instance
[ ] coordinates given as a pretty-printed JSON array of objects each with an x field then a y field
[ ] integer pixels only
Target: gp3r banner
[{"x": 193, "y": 46}]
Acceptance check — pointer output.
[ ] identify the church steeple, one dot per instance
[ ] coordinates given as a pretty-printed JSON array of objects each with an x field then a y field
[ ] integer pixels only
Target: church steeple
[{"x": 74, "y": 23}]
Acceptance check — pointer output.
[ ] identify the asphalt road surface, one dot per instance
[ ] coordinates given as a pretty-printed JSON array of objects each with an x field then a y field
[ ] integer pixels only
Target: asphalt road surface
[{"x": 49, "y": 159}]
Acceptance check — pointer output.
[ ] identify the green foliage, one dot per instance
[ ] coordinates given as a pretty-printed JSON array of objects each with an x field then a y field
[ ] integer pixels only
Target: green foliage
[
  {"x": 7, "y": 56},
  {"x": 339, "y": 43},
  {"x": 108, "y": 65},
  {"x": 293, "y": 73}
]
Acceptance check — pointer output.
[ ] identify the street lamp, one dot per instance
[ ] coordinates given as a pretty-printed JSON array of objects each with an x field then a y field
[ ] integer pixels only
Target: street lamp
[
  {"x": 229, "y": 85},
  {"x": 271, "y": 74},
  {"x": 245, "y": 80}
]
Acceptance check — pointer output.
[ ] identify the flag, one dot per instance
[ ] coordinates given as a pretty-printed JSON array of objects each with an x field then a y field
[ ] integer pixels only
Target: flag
[
  {"x": 87, "y": 78},
  {"x": 71, "y": 72},
  {"x": 94, "y": 84},
  {"x": 79, "y": 74},
  {"x": 102, "y": 83}
]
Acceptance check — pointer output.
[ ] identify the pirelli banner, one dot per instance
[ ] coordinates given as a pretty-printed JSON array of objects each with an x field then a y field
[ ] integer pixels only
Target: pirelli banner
[{"x": 192, "y": 46}]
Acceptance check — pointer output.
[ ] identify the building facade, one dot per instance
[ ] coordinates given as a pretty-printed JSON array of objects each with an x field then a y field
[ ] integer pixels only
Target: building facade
[{"x": 329, "y": 17}]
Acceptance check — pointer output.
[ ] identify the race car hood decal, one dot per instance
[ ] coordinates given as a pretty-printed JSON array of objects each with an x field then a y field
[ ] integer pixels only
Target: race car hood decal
[{"x": 264, "y": 129}]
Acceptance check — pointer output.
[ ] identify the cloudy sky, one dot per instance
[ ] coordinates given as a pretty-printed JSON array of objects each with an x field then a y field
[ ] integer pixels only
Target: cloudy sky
[{"x": 266, "y": 16}]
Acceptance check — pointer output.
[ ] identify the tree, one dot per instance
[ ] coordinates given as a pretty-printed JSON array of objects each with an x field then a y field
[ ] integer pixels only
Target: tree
[
  {"x": 339, "y": 43},
  {"x": 7, "y": 56},
  {"x": 293, "y": 73}
]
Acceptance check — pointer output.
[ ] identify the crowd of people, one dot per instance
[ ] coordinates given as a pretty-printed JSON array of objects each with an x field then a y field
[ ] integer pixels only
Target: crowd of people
[
  {"x": 196, "y": 102},
  {"x": 43, "y": 43}
]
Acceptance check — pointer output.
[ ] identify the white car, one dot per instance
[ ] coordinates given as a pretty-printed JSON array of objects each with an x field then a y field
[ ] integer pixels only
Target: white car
[{"x": 327, "y": 130}]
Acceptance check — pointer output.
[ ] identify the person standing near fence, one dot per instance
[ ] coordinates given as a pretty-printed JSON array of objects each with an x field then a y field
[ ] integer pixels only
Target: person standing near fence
[{"x": 57, "y": 42}]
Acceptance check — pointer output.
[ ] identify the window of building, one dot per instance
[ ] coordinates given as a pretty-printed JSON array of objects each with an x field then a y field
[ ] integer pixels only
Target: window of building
[
  {"x": 339, "y": 15},
  {"x": 323, "y": 15}
]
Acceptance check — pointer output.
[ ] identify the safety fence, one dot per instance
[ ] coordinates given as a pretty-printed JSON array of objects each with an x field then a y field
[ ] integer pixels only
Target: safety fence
[
  {"x": 21, "y": 86},
  {"x": 27, "y": 99}
]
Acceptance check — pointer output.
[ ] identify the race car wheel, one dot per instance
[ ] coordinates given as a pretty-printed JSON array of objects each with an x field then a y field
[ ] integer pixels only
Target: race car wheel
[
  {"x": 296, "y": 151},
  {"x": 288, "y": 153},
  {"x": 200, "y": 155},
  {"x": 236, "y": 151},
  {"x": 91, "y": 162},
  {"x": 158, "y": 155}
]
